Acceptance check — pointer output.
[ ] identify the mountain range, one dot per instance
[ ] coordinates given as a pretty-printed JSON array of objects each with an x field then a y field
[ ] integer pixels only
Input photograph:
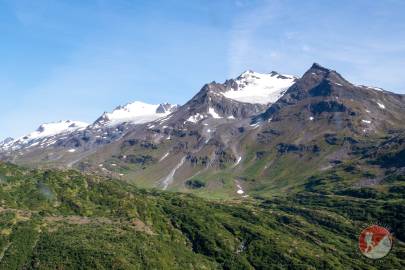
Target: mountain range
[{"x": 243, "y": 137}]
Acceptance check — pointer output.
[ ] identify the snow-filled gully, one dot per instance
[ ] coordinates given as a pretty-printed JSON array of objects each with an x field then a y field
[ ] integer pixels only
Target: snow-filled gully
[{"x": 170, "y": 177}]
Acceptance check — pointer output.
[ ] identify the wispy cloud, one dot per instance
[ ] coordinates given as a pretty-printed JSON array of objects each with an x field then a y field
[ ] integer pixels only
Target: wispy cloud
[
  {"x": 243, "y": 35},
  {"x": 289, "y": 37}
]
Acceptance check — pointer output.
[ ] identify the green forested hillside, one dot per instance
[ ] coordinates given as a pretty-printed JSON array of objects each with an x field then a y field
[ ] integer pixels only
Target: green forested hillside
[{"x": 67, "y": 220}]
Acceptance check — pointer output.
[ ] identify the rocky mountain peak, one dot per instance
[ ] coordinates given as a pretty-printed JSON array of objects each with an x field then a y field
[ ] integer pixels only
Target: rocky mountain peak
[
  {"x": 44, "y": 132},
  {"x": 247, "y": 73},
  {"x": 317, "y": 66},
  {"x": 319, "y": 75},
  {"x": 322, "y": 91},
  {"x": 166, "y": 108},
  {"x": 6, "y": 141},
  {"x": 317, "y": 81},
  {"x": 242, "y": 97}
]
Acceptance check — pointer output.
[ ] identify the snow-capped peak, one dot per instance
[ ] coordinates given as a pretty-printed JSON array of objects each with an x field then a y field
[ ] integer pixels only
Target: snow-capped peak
[
  {"x": 136, "y": 112},
  {"x": 44, "y": 131},
  {"x": 262, "y": 88},
  {"x": 6, "y": 142},
  {"x": 166, "y": 108},
  {"x": 54, "y": 128}
]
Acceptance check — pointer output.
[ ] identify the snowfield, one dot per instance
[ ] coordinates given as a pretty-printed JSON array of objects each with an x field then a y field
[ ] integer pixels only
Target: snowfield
[
  {"x": 260, "y": 88},
  {"x": 51, "y": 129},
  {"x": 136, "y": 112},
  {"x": 45, "y": 131}
]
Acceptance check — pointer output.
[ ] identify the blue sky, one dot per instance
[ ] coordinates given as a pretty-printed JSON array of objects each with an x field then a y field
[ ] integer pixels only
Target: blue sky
[{"x": 74, "y": 59}]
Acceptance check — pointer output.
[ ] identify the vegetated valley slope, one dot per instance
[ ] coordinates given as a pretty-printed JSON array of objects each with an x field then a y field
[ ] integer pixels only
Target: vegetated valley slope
[{"x": 53, "y": 219}]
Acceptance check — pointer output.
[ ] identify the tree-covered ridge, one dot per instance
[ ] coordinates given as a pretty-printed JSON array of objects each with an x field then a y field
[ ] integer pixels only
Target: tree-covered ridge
[{"x": 68, "y": 220}]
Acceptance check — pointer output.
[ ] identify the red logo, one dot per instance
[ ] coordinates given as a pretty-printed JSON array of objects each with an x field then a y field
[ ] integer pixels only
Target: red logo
[{"x": 375, "y": 242}]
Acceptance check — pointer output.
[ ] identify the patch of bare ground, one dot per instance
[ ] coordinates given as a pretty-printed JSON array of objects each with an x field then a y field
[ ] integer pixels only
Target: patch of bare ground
[
  {"x": 137, "y": 224},
  {"x": 140, "y": 226},
  {"x": 368, "y": 182},
  {"x": 20, "y": 214}
]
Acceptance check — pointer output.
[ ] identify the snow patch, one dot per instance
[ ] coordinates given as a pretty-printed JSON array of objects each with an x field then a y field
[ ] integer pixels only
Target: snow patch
[
  {"x": 372, "y": 87},
  {"x": 164, "y": 156},
  {"x": 195, "y": 118},
  {"x": 382, "y": 106},
  {"x": 51, "y": 129},
  {"x": 136, "y": 112},
  {"x": 240, "y": 190},
  {"x": 256, "y": 125},
  {"x": 238, "y": 161},
  {"x": 253, "y": 87},
  {"x": 169, "y": 178},
  {"x": 213, "y": 113}
]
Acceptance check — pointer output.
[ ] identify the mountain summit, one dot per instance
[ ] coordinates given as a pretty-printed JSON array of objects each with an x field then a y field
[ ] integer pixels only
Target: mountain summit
[
  {"x": 44, "y": 131},
  {"x": 240, "y": 98},
  {"x": 136, "y": 113},
  {"x": 260, "y": 88}
]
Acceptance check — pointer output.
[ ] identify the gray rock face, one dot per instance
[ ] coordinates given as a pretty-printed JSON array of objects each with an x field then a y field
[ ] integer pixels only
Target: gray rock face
[{"x": 166, "y": 107}]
